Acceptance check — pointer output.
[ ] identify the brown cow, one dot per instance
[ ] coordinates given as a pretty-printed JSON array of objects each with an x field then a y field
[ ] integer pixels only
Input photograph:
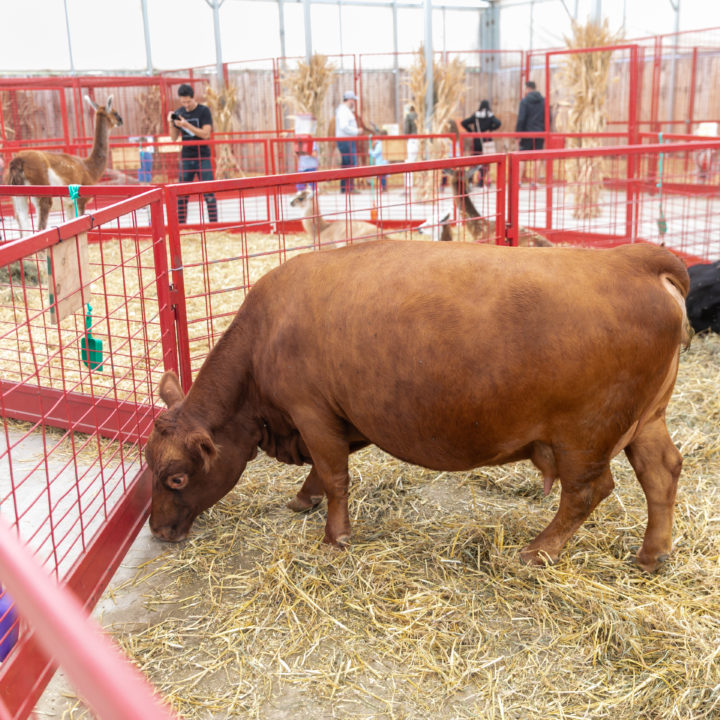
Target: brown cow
[{"x": 447, "y": 356}]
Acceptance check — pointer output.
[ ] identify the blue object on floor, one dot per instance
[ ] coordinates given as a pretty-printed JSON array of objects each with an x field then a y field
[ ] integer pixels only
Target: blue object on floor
[{"x": 8, "y": 625}]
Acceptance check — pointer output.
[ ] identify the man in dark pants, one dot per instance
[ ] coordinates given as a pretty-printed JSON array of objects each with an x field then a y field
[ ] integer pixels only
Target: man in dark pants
[
  {"x": 346, "y": 131},
  {"x": 531, "y": 118},
  {"x": 194, "y": 122}
]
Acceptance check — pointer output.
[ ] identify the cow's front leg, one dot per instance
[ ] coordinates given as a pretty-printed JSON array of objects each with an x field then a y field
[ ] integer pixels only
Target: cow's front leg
[
  {"x": 329, "y": 450},
  {"x": 578, "y": 499},
  {"x": 310, "y": 494},
  {"x": 657, "y": 464}
]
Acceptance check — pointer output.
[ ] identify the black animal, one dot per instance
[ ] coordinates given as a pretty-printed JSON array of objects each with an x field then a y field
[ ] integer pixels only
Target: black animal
[{"x": 703, "y": 300}]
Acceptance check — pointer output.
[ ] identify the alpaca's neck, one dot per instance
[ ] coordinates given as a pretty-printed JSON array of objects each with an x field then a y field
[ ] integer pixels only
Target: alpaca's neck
[
  {"x": 97, "y": 160},
  {"x": 313, "y": 223}
]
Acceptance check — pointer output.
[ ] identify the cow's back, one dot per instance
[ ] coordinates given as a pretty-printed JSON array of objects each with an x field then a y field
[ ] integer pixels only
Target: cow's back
[{"x": 456, "y": 356}]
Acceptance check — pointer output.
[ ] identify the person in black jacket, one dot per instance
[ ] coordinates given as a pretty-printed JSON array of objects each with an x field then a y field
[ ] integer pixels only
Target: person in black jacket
[
  {"x": 481, "y": 121},
  {"x": 531, "y": 118}
]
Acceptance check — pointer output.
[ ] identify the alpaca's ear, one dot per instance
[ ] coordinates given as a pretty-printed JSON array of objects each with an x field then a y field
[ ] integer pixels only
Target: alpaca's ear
[
  {"x": 108, "y": 104},
  {"x": 91, "y": 102}
]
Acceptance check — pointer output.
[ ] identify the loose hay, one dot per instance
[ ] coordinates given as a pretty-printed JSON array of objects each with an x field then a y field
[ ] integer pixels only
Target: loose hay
[{"x": 430, "y": 614}]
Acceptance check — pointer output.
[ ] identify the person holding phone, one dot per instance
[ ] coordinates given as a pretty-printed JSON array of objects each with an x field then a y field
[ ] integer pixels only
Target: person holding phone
[{"x": 193, "y": 123}]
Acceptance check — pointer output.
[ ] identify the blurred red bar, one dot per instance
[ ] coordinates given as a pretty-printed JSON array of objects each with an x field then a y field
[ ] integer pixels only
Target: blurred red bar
[{"x": 110, "y": 684}]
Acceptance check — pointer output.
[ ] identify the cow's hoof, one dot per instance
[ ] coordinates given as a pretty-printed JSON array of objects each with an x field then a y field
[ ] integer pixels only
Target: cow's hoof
[
  {"x": 341, "y": 542},
  {"x": 651, "y": 565},
  {"x": 299, "y": 505},
  {"x": 538, "y": 558}
]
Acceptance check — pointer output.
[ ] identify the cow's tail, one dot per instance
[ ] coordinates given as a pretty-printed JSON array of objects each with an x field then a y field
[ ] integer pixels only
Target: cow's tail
[
  {"x": 676, "y": 280},
  {"x": 672, "y": 267},
  {"x": 16, "y": 171}
]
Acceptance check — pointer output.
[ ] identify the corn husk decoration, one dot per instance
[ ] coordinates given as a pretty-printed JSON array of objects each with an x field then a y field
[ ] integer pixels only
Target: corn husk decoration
[
  {"x": 150, "y": 104},
  {"x": 222, "y": 106},
  {"x": 305, "y": 89},
  {"x": 449, "y": 89},
  {"x": 586, "y": 81},
  {"x": 31, "y": 118}
]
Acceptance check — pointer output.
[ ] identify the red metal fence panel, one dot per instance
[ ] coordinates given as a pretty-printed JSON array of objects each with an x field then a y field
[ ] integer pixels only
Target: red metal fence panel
[{"x": 86, "y": 329}]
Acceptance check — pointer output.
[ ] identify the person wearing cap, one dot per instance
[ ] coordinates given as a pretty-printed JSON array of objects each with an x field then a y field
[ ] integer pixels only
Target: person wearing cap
[{"x": 346, "y": 129}]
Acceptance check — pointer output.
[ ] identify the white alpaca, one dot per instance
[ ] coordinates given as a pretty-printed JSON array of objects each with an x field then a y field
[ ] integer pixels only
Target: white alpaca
[{"x": 332, "y": 234}]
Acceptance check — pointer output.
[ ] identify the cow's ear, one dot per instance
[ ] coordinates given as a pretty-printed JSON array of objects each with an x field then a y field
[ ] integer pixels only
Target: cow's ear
[
  {"x": 200, "y": 443},
  {"x": 169, "y": 389}
]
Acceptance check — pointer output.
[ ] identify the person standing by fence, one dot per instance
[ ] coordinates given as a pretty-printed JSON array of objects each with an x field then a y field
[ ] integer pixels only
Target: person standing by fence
[
  {"x": 481, "y": 121},
  {"x": 531, "y": 118},
  {"x": 346, "y": 130},
  {"x": 194, "y": 122}
]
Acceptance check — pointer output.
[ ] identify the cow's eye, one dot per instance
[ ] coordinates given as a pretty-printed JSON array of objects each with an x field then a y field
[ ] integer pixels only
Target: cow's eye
[{"x": 177, "y": 482}]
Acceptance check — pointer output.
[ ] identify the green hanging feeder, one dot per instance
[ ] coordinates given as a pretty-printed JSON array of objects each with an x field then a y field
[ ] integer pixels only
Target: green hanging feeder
[{"x": 91, "y": 348}]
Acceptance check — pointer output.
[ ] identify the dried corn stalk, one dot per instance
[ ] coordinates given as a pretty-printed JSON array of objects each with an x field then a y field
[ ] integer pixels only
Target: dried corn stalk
[
  {"x": 448, "y": 91},
  {"x": 222, "y": 106},
  {"x": 305, "y": 89},
  {"x": 586, "y": 79},
  {"x": 31, "y": 117},
  {"x": 150, "y": 104}
]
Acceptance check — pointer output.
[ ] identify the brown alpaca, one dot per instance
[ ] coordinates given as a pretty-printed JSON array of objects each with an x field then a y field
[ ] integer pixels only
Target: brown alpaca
[
  {"x": 37, "y": 167},
  {"x": 481, "y": 229}
]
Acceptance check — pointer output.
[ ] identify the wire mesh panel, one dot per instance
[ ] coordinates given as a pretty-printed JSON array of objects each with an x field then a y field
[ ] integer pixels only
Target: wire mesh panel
[
  {"x": 86, "y": 329},
  {"x": 603, "y": 197},
  {"x": 264, "y": 222}
]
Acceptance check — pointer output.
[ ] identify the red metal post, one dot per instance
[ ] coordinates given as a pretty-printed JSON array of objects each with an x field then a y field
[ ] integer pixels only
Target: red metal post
[
  {"x": 655, "y": 92},
  {"x": 500, "y": 199},
  {"x": 691, "y": 100},
  {"x": 166, "y": 314},
  {"x": 513, "y": 206},
  {"x": 633, "y": 139},
  {"x": 548, "y": 163},
  {"x": 64, "y": 115},
  {"x": 177, "y": 289},
  {"x": 276, "y": 95},
  {"x": 633, "y": 101},
  {"x": 3, "y": 137}
]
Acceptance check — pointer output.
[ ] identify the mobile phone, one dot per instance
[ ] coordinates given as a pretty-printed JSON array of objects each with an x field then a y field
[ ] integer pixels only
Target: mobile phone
[{"x": 175, "y": 116}]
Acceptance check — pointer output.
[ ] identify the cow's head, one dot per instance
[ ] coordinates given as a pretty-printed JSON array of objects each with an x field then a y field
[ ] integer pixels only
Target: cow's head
[{"x": 191, "y": 469}]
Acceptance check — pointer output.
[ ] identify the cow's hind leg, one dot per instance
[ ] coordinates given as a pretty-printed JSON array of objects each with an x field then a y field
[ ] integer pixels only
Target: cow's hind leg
[
  {"x": 583, "y": 488},
  {"x": 310, "y": 494},
  {"x": 657, "y": 464}
]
